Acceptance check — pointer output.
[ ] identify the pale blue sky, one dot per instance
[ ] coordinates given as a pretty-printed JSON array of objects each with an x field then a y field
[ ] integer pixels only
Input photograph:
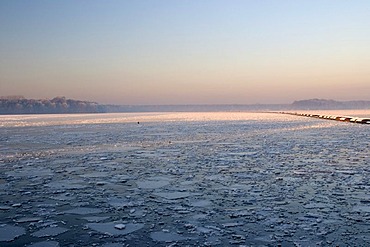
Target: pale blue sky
[{"x": 185, "y": 52}]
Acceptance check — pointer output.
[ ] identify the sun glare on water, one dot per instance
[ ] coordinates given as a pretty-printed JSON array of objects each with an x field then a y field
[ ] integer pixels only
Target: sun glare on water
[{"x": 81, "y": 119}]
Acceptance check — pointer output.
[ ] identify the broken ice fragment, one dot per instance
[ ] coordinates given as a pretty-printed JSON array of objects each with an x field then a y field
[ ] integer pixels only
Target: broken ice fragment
[
  {"x": 173, "y": 195},
  {"x": 166, "y": 237},
  {"x": 121, "y": 203},
  {"x": 30, "y": 172},
  {"x": 201, "y": 203},
  {"x": 9, "y": 233},
  {"x": 95, "y": 174},
  {"x": 242, "y": 213},
  {"x": 49, "y": 232},
  {"x": 112, "y": 245},
  {"x": 152, "y": 184},
  {"x": 109, "y": 228},
  {"x": 74, "y": 184},
  {"x": 360, "y": 208},
  {"x": 5, "y": 207},
  {"x": 315, "y": 205},
  {"x": 120, "y": 226},
  {"x": 232, "y": 224},
  {"x": 203, "y": 230},
  {"x": 95, "y": 218},
  {"x": 83, "y": 211},
  {"x": 28, "y": 219},
  {"x": 45, "y": 244}
]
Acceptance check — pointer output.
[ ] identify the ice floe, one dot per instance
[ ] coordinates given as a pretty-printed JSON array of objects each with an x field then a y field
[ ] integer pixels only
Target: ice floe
[
  {"x": 50, "y": 232},
  {"x": 83, "y": 211},
  {"x": 173, "y": 195},
  {"x": 9, "y": 233},
  {"x": 166, "y": 237},
  {"x": 45, "y": 244},
  {"x": 110, "y": 228}
]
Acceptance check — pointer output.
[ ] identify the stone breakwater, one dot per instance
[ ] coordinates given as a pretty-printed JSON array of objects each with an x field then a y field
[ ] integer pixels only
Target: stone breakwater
[{"x": 332, "y": 117}]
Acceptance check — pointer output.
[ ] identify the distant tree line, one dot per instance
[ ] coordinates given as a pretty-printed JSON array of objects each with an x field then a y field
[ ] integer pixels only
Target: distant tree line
[
  {"x": 20, "y": 105},
  {"x": 60, "y": 105}
]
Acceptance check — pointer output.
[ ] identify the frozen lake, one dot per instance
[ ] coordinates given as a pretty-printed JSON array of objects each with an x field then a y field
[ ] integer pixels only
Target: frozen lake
[{"x": 184, "y": 179}]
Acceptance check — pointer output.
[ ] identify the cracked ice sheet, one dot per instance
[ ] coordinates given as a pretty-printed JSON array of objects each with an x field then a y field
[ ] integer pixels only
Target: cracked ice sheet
[{"x": 302, "y": 159}]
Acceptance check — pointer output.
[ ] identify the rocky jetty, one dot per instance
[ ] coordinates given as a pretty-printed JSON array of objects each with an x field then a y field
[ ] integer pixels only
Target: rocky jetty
[{"x": 358, "y": 120}]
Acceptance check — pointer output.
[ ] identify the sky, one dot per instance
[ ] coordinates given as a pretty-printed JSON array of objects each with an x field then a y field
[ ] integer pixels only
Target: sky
[{"x": 136, "y": 52}]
